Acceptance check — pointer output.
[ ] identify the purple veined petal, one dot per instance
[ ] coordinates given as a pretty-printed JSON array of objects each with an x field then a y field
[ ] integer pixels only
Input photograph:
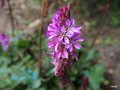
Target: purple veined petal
[
  {"x": 66, "y": 40},
  {"x": 70, "y": 34},
  {"x": 71, "y": 48},
  {"x": 76, "y": 30},
  {"x": 55, "y": 19},
  {"x": 72, "y": 23},
  {"x": 56, "y": 47},
  {"x": 65, "y": 52},
  {"x": 52, "y": 36},
  {"x": 77, "y": 45},
  {"x": 77, "y": 35},
  {"x": 48, "y": 33},
  {"x": 57, "y": 26},
  {"x": 54, "y": 29},
  {"x": 80, "y": 40},
  {"x": 58, "y": 54},
  {"x": 68, "y": 23},
  {"x": 51, "y": 27},
  {"x": 51, "y": 44},
  {"x": 63, "y": 29},
  {"x": 57, "y": 31},
  {"x": 67, "y": 46},
  {"x": 75, "y": 55},
  {"x": 60, "y": 38}
]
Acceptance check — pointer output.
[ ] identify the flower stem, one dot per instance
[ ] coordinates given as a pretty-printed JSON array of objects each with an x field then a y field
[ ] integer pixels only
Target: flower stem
[{"x": 11, "y": 17}]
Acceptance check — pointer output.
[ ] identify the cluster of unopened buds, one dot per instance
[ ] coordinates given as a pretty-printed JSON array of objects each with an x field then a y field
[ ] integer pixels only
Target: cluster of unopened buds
[{"x": 64, "y": 40}]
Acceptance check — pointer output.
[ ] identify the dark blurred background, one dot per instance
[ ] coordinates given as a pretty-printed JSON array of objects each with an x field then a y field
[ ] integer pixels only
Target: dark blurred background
[{"x": 26, "y": 65}]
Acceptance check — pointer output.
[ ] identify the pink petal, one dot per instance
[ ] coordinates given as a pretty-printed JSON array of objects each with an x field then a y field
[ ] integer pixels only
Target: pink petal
[
  {"x": 77, "y": 46},
  {"x": 70, "y": 33},
  {"x": 51, "y": 44},
  {"x": 68, "y": 22},
  {"x": 66, "y": 40},
  {"x": 63, "y": 29},
  {"x": 56, "y": 47},
  {"x": 58, "y": 55},
  {"x": 72, "y": 22},
  {"x": 67, "y": 46},
  {"x": 71, "y": 48},
  {"x": 52, "y": 36},
  {"x": 65, "y": 53},
  {"x": 80, "y": 40},
  {"x": 77, "y": 29},
  {"x": 60, "y": 38}
]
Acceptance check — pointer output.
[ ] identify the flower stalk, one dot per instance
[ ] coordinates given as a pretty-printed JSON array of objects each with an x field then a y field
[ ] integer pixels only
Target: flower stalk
[
  {"x": 64, "y": 40},
  {"x": 11, "y": 17}
]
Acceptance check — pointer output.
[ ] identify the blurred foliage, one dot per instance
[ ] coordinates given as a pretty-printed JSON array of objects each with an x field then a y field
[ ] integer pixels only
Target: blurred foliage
[
  {"x": 18, "y": 69},
  {"x": 96, "y": 10},
  {"x": 18, "y": 65}
]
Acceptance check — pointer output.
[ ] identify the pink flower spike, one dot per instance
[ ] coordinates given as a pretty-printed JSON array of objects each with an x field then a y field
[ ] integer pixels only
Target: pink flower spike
[{"x": 64, "y": 40}]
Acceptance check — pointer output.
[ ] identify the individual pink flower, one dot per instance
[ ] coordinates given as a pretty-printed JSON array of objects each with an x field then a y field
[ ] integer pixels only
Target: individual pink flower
[{"x": 4, "y": 40}]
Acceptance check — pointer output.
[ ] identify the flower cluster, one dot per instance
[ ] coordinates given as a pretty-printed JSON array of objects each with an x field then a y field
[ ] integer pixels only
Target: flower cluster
[
  {"x": 4, "y": 40},
  {"x": 63, "y": 40}
]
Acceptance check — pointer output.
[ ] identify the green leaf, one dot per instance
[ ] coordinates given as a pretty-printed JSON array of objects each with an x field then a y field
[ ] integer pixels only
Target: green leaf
[{"x": 95, "y": 75}]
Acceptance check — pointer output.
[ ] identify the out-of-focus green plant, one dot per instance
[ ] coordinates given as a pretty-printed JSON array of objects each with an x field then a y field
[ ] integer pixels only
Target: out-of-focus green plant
[
  {"x": 87, "y": 66},
  {"x": 18, "y": 69}
]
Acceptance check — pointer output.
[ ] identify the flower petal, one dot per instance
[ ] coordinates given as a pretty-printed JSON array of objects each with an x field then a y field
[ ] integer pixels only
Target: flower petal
[
  {"x": 70, "y": 33},
  {"x": 71, "y": 48},
  {"x": 63, "y": 29},
  {"x": 65, "y": 53},
  {"x": 80, "y": 40},
  {"x": 77, "y": 46},
  {"x": 76, "y": 29},
  {"x": 56, "y": 47},
  {"x": 51, "y": 44},
  {"x": 72, "y": 23},
  {"x": 67, "y": 46},
  {"x": 58, "y": 54},
  {"x": 52, "y": 36},
  {"x": 66, "y": 40}
]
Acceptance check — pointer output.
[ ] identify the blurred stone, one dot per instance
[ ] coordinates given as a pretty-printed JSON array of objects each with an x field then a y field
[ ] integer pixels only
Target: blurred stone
[
  {"x": 111, "y": 71},
  {"x": 23, "y": 6},
  {"x": 87, "y": 25}
]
